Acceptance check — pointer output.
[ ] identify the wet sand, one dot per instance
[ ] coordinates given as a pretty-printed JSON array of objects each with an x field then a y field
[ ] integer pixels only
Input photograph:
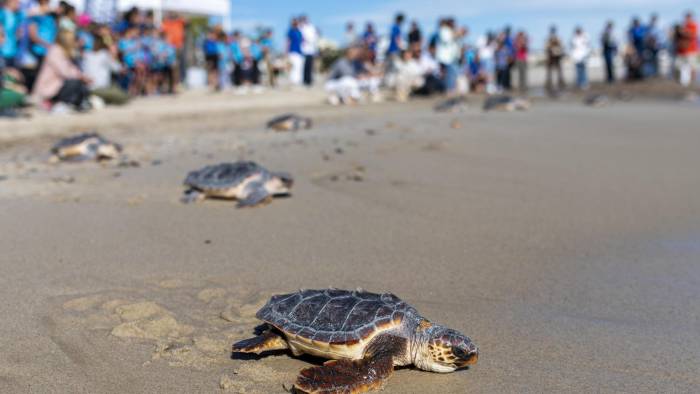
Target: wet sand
[{"x": 564, "y": 240}]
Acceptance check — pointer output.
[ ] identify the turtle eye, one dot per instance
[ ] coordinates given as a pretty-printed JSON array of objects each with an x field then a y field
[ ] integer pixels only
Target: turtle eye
[{"x": 460, "y": 353}]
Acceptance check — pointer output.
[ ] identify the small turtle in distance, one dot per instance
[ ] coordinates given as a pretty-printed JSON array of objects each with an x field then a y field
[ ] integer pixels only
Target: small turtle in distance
[
  {"x": 363, "y": 334},
  {"x": 289, "y": 122},
  {"x": 506, "y": 103},
  {"x": 596, "y": 100},
  {"x": 245, "y": 181},
  {"x": 452, "y": 105},
  {"x": 85, "y": 147}
]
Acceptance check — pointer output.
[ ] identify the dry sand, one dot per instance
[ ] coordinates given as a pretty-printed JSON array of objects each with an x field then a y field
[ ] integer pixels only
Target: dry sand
[{"x": 564, "y": 240}]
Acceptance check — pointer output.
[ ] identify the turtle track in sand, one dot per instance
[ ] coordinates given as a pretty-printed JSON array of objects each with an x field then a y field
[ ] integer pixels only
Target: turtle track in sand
[{"x": 184, "y": 324}]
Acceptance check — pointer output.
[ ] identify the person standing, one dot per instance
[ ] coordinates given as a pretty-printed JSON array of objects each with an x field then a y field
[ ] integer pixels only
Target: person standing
[
  {"x": 309, "y": 48},
  {"x": 42, "y": 31},
  {"x": 652, "y": 44},
  {"x": 555, "y": 54},
  {"x": 688, "y": 50},
  {"x": 296, "y": 59},
  {"x": 415, "y": 37},
  {"x": 395, "y": 41},
  {"x": 509, "y": 45},
  {"x": 486, "y": 49},
  {"x": 609, "y": 46},
  {"x": 447, "y": 54},
  {"x": 11, "y": 18},
  {"x": 522, "y": 48},
  {"x": 174, "y": 27},
  {"x": 580, "y": 52},
  {"x": 369, "y": 38},
  {"x": 350, "y": 37}
]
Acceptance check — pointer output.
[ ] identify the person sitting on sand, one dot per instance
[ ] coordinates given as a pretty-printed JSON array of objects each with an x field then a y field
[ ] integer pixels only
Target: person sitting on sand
[
  {"x": 409, "y": 76},
  {"x": 342, "y": 85},
  {"x": 60, "y": 80},
  {"x": 98, "y": 65}
]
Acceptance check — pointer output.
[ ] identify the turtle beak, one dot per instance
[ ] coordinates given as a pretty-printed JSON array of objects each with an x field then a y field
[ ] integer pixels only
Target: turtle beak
[{"x": 466, "y": 358}]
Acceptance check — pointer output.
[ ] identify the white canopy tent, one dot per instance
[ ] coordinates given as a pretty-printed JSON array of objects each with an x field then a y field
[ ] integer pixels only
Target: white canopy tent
[{"x": 220, "y": 8}]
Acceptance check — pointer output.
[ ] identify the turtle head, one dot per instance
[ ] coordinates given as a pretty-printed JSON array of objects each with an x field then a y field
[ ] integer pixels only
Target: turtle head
[
  {"x": 446, "y": 350},
  {"x": 282, "y": 182},
  {"x": 108, "y": 151}
]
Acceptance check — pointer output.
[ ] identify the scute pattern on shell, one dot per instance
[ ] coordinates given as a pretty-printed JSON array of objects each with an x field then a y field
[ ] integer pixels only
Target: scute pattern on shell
[
  {"x": 334, "y": 316},
  {"x": 223, "y": 175},
  {"x": 79, "y": 139}
]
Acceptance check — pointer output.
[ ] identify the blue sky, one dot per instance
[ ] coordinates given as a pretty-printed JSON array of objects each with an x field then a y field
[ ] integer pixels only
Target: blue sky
[{"x": 533, "y": 15}]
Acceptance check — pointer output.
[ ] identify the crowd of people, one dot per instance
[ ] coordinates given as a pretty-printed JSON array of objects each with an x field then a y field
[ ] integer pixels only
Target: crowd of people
[
  {"x": 447, "y": 62},
  {"x": 71, "y": 62}
]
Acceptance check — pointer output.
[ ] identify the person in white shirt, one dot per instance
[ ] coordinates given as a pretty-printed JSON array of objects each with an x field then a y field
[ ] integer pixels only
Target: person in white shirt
[
  {"x": 580, "y": 52},
  {"x": 409, "y": 75},
  {"x": 99, "y": 64},
  {"x": 447, "y": 53},
  {"x": 309, "y": 48}
]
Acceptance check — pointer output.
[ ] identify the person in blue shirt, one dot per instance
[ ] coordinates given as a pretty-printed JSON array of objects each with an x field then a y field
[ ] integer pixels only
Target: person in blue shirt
[
  {"x": 211, "y": 57},
  {"x": 395, "y": 40},
  {"x": 296, "y": 58},
  {"x": 43, "y": 29},
  {"x": 369, "y": 38},
  {"x": 11, "y": 18}
]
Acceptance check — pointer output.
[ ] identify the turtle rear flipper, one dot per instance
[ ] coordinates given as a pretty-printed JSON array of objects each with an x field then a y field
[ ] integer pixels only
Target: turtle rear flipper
[
  {"x": 265, "y": 342},
  {"x": 257, "y": 195}
]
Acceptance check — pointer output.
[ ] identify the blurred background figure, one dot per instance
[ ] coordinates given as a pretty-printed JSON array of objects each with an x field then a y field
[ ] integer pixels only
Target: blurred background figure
[
  {"x": 296, "y": 58},
  {"x": 555, "y": 54},
  {"x": 447, "y": 53},
  {"x": 309, "y": 48},
  {"x": 609, "y": 47},
  {"x": 522, "y": 49},
  {"x": 350, "y": 35},
  {"x": 415, "y": 37},
  {"x": 687, "y": 60},
  {"x": 580, "y": 52}
]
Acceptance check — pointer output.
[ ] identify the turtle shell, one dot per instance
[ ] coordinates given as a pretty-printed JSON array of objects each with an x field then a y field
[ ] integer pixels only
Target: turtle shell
[
  {"x": 335, "y": 317},
  {"x": 497, "y": 101},
  {"x": 223, "y": 175},
  {"x": 289, "y": 122},
  {"x": 81, "y": 139}
]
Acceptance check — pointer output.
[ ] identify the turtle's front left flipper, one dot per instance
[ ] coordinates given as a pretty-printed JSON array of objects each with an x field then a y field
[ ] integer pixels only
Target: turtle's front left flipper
[
  {"x": 256, "y": 195},
  {"x": 344, "y": 376},
  {"x": 358, "y": 376}
]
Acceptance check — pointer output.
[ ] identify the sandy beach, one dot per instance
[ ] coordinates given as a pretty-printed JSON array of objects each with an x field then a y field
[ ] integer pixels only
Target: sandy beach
[{"x": 564, "y": 240}]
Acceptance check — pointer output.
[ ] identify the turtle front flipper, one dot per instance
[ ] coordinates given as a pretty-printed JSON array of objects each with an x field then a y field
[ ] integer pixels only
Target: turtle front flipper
[
  {"x": 256, "y": 195},
  {"x": 191, "y": 196},
  {"x": 265, "y": 342},
  {"x": 344, "y": 376},
  {"x": 358, "y": 376}
]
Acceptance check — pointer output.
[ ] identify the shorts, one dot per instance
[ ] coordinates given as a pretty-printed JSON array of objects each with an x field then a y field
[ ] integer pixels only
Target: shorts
[{"x": 212, "y": 62}]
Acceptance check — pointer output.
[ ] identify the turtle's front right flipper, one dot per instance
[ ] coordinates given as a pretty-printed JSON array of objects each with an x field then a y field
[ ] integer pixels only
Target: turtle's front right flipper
[
  {"x": 257, "y": 195},
  {"x": 344, "y": 376},
  {"x": 265, "y": 342}
]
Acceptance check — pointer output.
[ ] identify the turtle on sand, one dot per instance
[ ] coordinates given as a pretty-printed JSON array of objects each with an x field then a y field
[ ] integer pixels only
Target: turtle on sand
[
  {"x": 364, "y": 335},
  {"x": 289, "y": 122},
  {"x": 245, "y": 181},
  {"x": 85, "y": 146},
  {"x": 506, "y": 103},
  {"x": 596, "y": 100},
  {"x": 452, "y": 104}
]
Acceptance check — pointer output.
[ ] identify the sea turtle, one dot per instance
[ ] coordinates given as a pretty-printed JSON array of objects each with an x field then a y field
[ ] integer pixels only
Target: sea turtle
[
  {"x": 363, "y": 334},
  {"x": 596, "y": 100},
  {"x": 289, "y": 122},
  {"x": 245, "y": 181},
  {"x": 452, "y": 104},
  {"x": 505, "y": 103},
  {"x": 85, "y": 146}
]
